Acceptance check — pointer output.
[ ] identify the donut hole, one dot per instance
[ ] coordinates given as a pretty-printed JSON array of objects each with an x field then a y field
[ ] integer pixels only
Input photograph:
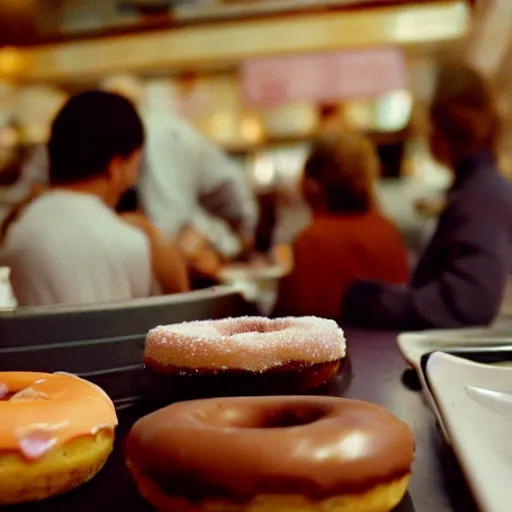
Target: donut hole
[
  {"x": 249, "y": 326},
  {"x": 289, "y": 417},
  {"x": 270, "y": 418}
]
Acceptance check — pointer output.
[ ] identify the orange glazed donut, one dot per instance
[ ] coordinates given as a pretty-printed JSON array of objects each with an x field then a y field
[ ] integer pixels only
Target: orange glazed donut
[
  {"x": 56, "y": 432},
  {"x": 271, "y": 454},
  {"x": 248, "y": 353}
]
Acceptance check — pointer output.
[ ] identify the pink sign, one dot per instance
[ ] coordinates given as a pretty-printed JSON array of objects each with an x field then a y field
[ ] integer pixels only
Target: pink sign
[{"x": 324, "y": 77}]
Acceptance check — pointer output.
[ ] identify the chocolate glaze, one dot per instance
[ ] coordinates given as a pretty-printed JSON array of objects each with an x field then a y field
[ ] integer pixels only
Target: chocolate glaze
[
  {"x": 292, "y": 377},
  {"x": 239, "y": 447}
]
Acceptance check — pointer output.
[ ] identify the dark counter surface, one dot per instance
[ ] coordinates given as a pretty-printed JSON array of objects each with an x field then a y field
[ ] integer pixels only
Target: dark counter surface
[{"x": 374, "y": 371}]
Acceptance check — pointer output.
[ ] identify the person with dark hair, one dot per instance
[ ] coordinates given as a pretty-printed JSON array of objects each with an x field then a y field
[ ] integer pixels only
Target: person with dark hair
[
  {"x": 66, "y": 244},
  {"x": 96, "y": 133},
  {"x": 461, "y": 277},
  {"x": 188, "y": 187},
  {"x": 348, "y": 239}
]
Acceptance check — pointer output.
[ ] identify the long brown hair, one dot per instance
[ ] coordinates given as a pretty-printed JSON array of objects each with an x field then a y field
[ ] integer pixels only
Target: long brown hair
[{"x": 464, "y": 110}]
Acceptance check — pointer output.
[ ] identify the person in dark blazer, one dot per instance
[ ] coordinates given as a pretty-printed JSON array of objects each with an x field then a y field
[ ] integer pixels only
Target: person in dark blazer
[{"x": 461, "y": 277}]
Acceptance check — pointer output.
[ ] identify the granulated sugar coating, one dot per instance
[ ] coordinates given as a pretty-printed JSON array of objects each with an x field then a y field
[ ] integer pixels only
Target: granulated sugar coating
[{"x": 255, "y": 344}]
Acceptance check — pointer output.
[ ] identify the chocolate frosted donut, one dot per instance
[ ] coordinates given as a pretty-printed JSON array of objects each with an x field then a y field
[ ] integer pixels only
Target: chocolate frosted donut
[
  {"x": 271, "y": 454},
  {"x": 249, "y": 354}
]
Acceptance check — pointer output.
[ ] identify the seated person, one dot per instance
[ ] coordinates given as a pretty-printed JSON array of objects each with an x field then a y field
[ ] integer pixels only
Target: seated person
[
  {"x": 348, "y": 239},
  {"x": 66, "y": 244},
  {"x": 461, "y": 277}
]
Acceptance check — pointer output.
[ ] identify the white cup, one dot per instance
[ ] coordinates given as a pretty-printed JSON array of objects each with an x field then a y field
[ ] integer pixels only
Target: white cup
[{"x": 7, "y": 299}]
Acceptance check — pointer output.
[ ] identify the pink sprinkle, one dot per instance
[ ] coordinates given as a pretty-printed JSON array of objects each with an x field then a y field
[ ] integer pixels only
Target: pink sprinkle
[
  {"x": 4, "y": 390},
  {"x": 37, "y": 443}
]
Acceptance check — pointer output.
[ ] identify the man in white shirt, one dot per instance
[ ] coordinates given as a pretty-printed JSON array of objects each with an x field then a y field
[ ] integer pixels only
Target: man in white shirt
[
  {"x": 189, "y": 182},
  {"x": 67, "y": 244},
  {"x": 186, "y": 180}
]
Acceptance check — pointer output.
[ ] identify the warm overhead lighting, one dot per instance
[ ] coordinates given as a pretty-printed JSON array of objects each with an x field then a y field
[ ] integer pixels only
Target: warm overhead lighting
[
  {"x": 251, "y": 129},
  {"x": 11, "y": 61},
  {"x": 393, "y": 111},
  {"x": 359, "y": 114},
  {"x": 264, "y": 171},
  {"x": 221, "y": 127},
  {"x": 449, "y": 21},
  {"x": 292, "y": 119}
]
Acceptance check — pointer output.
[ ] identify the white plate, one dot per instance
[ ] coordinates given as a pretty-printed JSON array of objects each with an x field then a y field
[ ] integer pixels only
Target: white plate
[
  {"x": 413, "y": 345},
  {"x": 475, "y": 405}
]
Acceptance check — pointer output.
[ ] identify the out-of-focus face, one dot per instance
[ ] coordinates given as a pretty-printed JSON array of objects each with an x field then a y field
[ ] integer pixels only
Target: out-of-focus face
[
  {"x": 439, "y": 146},
  {"x": 132, "y": 168},
  {"x": 124, "y": 173}
]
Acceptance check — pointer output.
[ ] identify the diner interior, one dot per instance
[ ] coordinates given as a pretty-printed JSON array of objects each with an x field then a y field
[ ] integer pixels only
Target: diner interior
[{"x": 284, "y": 184}]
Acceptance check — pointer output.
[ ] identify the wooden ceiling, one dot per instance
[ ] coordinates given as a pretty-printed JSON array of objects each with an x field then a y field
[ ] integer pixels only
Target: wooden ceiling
[
  {"x": 18, "y": 21},
  {"x": 35, "y": 22},
  {"x": 419, "y": 28}
]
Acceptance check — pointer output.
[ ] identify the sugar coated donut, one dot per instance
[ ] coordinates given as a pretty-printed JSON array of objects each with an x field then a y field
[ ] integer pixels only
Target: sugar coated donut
[
  {"x": 271, "y": 454},
  {"x": 56, "y": 432},
  {"x": 286, "y": 354}
]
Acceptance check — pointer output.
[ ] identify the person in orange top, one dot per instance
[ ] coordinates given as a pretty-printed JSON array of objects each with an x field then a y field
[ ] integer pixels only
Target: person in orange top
[{"x": 349, "y": 239}]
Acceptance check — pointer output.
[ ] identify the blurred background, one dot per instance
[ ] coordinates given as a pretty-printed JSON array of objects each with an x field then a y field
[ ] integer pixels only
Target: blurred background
[{"x": 261, "y": 78}]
